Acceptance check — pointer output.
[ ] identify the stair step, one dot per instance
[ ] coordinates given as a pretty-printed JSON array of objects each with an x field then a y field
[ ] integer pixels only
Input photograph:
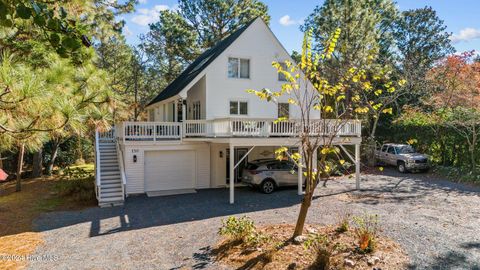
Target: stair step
[
  {"x": 104, "y": 200},
  {"x": 112, "y": 166},
  {"x": 111, "y": 190},
  {"x": 109, "y": 163},
  {"x": 108, "y": 154},
  {"x": 105, "y": 170},
  {"x": 111, "y": 181},
  {"x": 111, "y": 195},
  {"x": 111, "y": 185},
  {"x": 111, "y": 177},
  {"x": 110, "y": 159}
]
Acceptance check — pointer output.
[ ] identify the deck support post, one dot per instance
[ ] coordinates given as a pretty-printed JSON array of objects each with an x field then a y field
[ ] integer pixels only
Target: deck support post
[
  {"x": 357, "y": 166},
  {"x": 175, "y": 111},
  {"x": 232, "y": 173},
  {"x": 300, "y": 171},
  {"x": 184, "y": 111}
]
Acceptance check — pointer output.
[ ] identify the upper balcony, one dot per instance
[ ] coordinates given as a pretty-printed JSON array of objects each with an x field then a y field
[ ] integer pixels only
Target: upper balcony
[{"x": 231, "y": 127}]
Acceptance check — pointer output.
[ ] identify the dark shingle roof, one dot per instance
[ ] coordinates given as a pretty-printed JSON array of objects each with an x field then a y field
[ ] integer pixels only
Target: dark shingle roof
[{"x": 198, "y": 66}]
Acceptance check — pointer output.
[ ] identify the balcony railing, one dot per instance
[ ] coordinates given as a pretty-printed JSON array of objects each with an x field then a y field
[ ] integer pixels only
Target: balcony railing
[{"x": 233, "y": 127}]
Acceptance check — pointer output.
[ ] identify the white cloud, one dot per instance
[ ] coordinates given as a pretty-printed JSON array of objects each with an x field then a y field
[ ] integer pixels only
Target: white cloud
[
  {"x": 466, "y": 34},
  {"x": 126, "y": 31},
  {"x": 287, "y": 21},
  {"x": 145, "y": 16}
]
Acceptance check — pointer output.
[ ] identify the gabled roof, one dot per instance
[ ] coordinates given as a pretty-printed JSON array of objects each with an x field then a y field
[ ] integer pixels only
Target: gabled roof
[{"x": 195, "y": 68}]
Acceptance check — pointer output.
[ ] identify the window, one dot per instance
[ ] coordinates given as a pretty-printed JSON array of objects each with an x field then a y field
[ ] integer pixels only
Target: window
[
  {"x": 196, "y": 110},
  {"x": 238, "y": 68},
  {"x": 238, "y": 107},
  {"x": 384, "y": 148},
  {"x": 391, "y": 150},
  {"x": 283, "y": 110},
  {"x": 281, "y": 76}
]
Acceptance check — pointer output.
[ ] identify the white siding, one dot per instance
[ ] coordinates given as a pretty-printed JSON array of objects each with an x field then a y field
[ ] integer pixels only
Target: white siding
[
  {"x": 197, "y": 93},
  {"x": 203, "y": 168},
  {"x": 260, "y": 46}
]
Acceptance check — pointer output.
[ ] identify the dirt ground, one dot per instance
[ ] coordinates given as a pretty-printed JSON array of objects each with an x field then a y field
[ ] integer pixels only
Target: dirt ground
[{"x": 18, "y": 239}]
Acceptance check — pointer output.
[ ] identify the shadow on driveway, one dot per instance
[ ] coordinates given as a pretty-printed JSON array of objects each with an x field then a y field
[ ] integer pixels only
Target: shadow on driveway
[{"x": 142, "y": 212}]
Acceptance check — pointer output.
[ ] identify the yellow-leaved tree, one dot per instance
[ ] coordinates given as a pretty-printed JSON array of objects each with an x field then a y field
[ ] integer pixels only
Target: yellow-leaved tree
[{"x": 310, "y": 88}]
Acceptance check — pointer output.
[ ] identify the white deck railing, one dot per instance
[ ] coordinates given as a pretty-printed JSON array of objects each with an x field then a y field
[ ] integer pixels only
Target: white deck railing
[
  {"x": 234, "y": 127},
  {"x": 150, "y": 131}
]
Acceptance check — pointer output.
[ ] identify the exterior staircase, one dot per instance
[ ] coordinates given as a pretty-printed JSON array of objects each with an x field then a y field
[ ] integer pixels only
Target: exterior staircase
[{"x": 109, "y": 176}]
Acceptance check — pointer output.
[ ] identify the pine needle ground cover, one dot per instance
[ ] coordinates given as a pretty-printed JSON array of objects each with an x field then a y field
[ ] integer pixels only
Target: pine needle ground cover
[
  {"x": 18, "y": 210},
  {"x": 324, "y": 247}
]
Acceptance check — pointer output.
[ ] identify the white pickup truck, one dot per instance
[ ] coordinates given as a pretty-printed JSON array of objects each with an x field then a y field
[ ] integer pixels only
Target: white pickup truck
[{"x": 403, "y": 156}]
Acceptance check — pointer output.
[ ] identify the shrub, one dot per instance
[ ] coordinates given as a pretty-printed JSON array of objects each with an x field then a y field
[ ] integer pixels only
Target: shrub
[
  {"x": 237, "y": 228},
  {"x": 366, "y": 228},
  {"x": 76, "y": 173},
  {"x": 344, "y": 223}
]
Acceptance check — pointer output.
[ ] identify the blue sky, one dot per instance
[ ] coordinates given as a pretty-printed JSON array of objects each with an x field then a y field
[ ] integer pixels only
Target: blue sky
[{"x": 462, "y": 18}]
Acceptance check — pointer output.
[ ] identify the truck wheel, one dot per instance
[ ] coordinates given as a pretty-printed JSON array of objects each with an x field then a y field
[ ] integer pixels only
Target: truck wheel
[
  {"x": 401, "y": 167},
  {"x": 267, "y": 186}
]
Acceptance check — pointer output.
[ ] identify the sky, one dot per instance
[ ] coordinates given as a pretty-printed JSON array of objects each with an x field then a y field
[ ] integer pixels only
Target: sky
[{"x": 462, "y": 18}]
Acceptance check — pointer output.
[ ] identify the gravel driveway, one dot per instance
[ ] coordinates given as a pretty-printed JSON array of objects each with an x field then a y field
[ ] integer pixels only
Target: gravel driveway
[{"x": 436, "y": 221}]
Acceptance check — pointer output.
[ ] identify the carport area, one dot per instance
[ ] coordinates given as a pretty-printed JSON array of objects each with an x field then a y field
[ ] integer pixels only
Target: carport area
[{"x": 251, "y": 143}]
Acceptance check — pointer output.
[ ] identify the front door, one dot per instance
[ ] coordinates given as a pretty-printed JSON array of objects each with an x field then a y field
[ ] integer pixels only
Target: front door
[{"x": 239, "y": 153}]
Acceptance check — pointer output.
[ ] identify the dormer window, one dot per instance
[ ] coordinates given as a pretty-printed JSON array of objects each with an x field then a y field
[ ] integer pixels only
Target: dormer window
[
  {"x": 238, "y": 68},
  {"x": 281, "y": 76}
]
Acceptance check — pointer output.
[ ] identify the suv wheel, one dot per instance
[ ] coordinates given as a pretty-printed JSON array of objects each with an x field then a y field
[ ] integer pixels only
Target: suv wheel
[
  {"x": 268, "y": 186},
  {"x": 401, "y": 167}
]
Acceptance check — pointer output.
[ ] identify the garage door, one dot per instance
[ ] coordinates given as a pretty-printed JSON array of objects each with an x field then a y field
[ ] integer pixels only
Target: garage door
[{"x": 169, "y": 170}]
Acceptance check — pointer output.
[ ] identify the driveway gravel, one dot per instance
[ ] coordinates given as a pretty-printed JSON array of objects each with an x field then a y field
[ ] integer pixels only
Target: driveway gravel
[{"x": 436, "y": 221}]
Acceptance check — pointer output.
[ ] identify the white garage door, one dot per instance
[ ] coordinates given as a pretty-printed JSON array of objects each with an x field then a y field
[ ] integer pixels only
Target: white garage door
[{"x": 169, "y": 170}]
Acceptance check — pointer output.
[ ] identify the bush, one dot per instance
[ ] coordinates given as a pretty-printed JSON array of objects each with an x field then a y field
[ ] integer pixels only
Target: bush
[
  {"x": 242, "y": 229},
  {"x": 366, "y": 229},
  {"x": 458, "y": 174},
  {"x": 344, "y": 223},
  {"x": 76, "y": 173}
]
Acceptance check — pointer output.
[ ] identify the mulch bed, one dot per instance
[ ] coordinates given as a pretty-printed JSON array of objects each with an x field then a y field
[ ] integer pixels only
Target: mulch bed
[{"x": 283, "y": 253}]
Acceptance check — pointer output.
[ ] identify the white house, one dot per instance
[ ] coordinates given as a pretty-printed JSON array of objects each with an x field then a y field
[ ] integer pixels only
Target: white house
[{"x": 204, "y": 126}]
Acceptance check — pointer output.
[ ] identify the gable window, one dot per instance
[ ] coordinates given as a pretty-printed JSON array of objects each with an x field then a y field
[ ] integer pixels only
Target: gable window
[
  {"x": 281, "y": 76},
  {"x": 283, "y": 110},
  {"x": 238, "y": 68},
  {"x": 196, "y": 110},
  {"x": 238, "y": 107}
]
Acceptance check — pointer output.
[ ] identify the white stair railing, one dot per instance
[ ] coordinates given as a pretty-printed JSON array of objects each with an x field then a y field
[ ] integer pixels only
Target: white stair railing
[
  {"x": 121, "y": 165},
  {"x": 97, "y": 165}
]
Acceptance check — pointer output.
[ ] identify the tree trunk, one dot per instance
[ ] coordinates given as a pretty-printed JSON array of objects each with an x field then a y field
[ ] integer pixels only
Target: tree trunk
[
  {"x": 302, "y": 216},
  {"x": 37, "y": 163},
  {"x": 370, "y": 151},
  {"x": 474, "y": 165},
  {"x": 51, "y": 162},
  {"x": 21, "y": 152}
]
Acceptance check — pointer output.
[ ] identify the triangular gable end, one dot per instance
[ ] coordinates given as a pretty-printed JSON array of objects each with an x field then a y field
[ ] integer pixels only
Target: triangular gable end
[{"x": 193, "y": 71}]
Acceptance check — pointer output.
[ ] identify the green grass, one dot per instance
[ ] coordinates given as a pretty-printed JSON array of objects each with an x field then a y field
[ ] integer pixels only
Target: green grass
[
  {"x": 49, "y": 204},
  {"x": 90, "y": 167}
]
